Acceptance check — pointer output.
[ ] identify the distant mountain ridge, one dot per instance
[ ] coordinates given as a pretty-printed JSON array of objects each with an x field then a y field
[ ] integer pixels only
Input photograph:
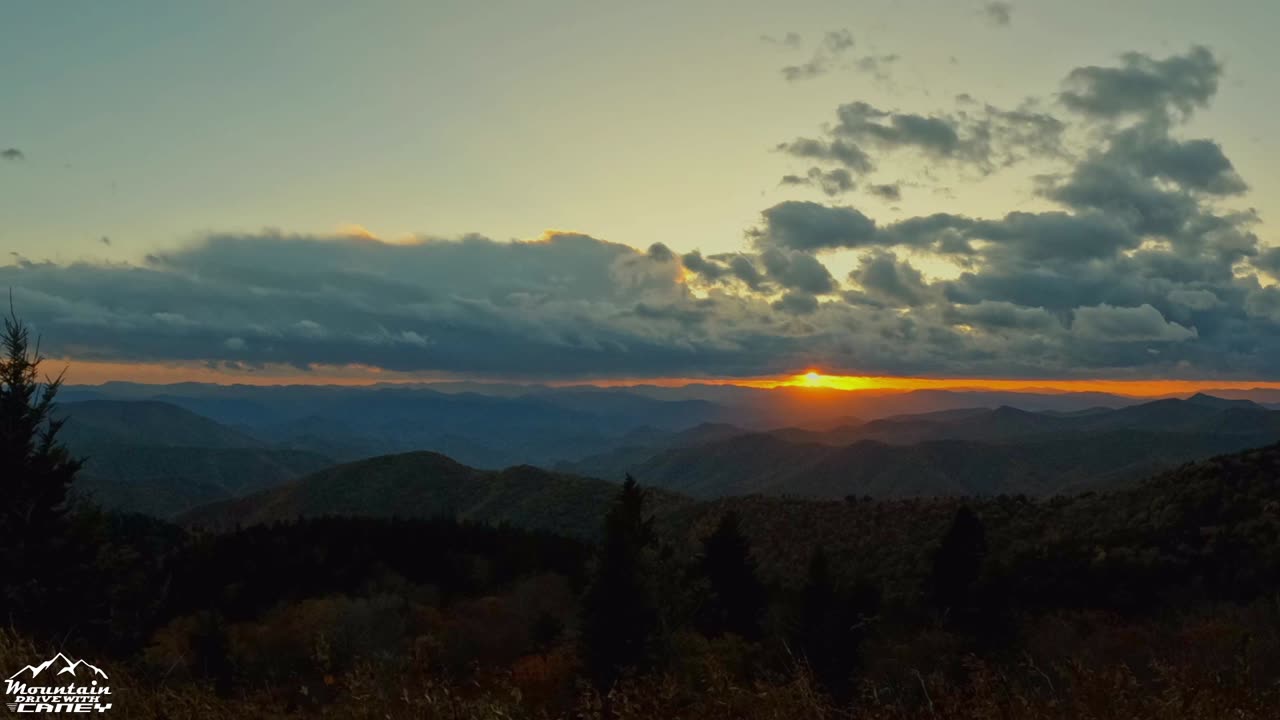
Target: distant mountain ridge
[
  {"x": 688, "y": 445},
  {"x": 156, "y": 458},
  {"x": 495, "y": 426},
  {"x": 974, "y": 451},
  {"x": 145, "y": 423}
]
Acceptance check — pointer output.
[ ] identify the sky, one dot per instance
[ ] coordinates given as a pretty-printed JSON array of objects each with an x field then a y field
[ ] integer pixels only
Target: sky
[{"x": 567, "y": 191}]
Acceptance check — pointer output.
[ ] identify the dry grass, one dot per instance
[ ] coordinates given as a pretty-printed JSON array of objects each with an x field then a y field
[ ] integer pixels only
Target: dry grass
[{"x": 1023, "y": 691}]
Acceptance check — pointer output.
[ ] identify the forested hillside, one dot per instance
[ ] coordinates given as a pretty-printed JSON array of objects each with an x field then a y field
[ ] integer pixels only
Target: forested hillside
[{"x": 426, "y": 485}]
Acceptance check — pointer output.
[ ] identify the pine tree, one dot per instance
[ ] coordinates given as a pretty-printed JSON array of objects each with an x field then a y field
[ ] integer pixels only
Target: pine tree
[
  {"x": 737, "y": 595},
  {"x": 35, "y": 475},
  {"x": 619, "y": 613},
  {"x": 832, "y": 625},
  {"x": 957, "y": 564}
]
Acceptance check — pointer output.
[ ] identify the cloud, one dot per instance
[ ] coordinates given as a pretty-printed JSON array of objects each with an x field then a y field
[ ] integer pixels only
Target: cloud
[
  {"x": 844, "y": 153},
  {"x": 828, "y": 54},
  {"x": 797, "y": 271},
  {"x": 1019, "y": 236},
  {"x": 12, "y": 154},
  {"x": 886, "y": 191},
  {"x": 984, "y": 138},
  {"x": 999, "y": 14},
  {"x": 878, "y": 66},
  {"x": 831, "y": 182},
  {"x": 1144, "y": 87},
  {"x": 1128, "y": 324},
  {"x": 1195, "y": 165},
  {"x": 796, "y": 303},
  {"x": 790, "y": 40},
  {"x": 809, "y": 226},
  {"x": 935, "y": 135},
  {"x": 885, "y": 278}
]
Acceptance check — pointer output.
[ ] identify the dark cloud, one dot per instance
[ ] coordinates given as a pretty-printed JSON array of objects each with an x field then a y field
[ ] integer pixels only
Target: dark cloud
[
  {"x": 796, "y": 303},
  {"x": 936, "y": 135},
  {"x": 710, "y": 270},
  {"x": 1268, "y": 261},
  {"x": 999, "y": 14},
  {"x": 809, "y": 226},
  {"x": 796, "y": 270},
  {"x": 1144, "y": 87},
  {"x": 1120, "y": 192},
  {"x": 983, "y": 139},
  {"x": 1038, "y": 237},
  {"x": 1003, "y": 316},
  {"x": 832, "y": 182},
  {"x": 661, "y": 253},
  {"x": 886, "y": 191},
  {"x": 893, "y": 282},
  {"x": 844, "y": 153},
  {"x": 727, "y": 268},
  {"x": 1127, "y": 324},
  {"x": 746, "y": 271},
  {"x": 1195, "y": 165},
  {"x": 1020, "y": 236},
  {"x": 13, "y": 154}
]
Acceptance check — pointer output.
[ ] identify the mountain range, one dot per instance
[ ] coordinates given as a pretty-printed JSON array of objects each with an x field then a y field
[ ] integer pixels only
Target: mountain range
[
  {"x": 167, "y": 450},
  {"x": 973, "y": 451},
  {"x": 1181, "y": 520}
]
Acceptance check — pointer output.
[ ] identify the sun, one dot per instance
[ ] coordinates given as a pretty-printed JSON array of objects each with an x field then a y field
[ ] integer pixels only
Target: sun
[{"x": 813, "y": 378}]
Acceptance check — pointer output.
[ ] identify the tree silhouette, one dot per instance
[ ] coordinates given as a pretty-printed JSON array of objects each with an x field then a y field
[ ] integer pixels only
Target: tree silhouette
[
  {"x": 833, "y": 624},
  {"x": 737, "y": 597},
  {"x": 619, "y": 615},
  {"x": 957, "y": 564},
  {"x": 35, "y": 475}
]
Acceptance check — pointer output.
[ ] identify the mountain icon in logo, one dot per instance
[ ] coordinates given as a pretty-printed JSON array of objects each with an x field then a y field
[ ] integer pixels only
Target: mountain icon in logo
[{"x": 64, "y": 666}]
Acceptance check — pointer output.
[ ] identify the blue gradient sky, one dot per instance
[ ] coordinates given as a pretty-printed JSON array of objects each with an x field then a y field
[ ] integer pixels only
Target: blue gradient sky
[
  {"x": 151, "y": 122},
  {"x": 254, "y": 187}
]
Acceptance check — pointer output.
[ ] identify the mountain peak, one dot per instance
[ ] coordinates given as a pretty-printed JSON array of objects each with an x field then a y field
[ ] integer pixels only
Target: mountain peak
[{"x": 1214, "y": 401}]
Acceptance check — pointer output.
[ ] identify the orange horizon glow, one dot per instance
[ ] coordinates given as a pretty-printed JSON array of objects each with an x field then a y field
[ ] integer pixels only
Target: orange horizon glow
[{"x": 88, "y": 372}]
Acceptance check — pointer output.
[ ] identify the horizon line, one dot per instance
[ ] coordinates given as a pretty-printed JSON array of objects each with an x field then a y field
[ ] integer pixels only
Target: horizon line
[{"x": 102, "y": 373}]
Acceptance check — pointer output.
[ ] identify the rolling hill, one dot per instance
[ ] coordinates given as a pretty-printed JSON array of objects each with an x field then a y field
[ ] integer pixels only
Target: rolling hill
[
  {"x": 1217, "y": 519},
  {"x": 166, "y": 481},
  {"x": 1188, "y": 522},
  {"x": 426, "y": 484}
]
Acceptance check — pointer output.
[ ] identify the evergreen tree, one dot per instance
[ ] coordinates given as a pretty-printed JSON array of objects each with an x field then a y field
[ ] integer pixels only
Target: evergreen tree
[
  {"x": 957, "y": 564},
  {"x": 619, "y": 614},
  {"x": 35, "y": 475},
  {"x": 832, "y": 625},
  {"x": 737, "y": 596}
]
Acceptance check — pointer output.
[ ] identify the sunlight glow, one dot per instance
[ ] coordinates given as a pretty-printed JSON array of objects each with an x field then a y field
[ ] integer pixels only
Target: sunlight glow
[{"x": 89, "y": 372}]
